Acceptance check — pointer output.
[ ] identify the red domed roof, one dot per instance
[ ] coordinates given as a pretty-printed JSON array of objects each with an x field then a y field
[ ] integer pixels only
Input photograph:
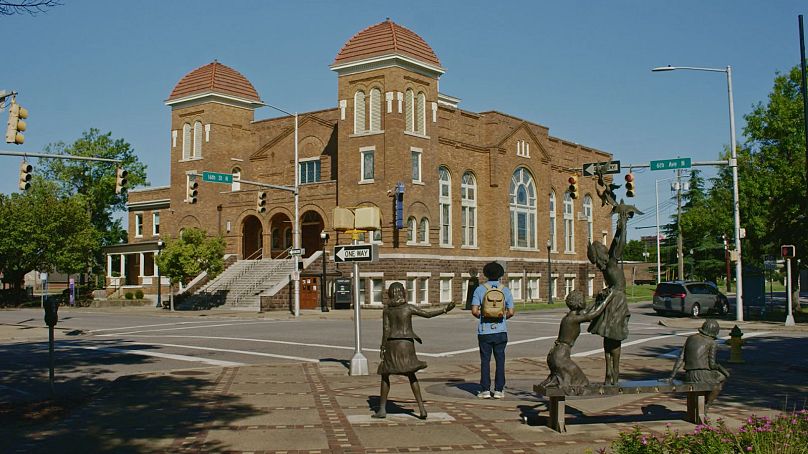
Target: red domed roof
[
  {"x": 214, "y": 78},
  {"x": 383, "y": 39}
]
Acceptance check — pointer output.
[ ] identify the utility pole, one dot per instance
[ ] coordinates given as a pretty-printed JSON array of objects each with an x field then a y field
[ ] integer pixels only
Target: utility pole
[{"x": 679, "y": 246}]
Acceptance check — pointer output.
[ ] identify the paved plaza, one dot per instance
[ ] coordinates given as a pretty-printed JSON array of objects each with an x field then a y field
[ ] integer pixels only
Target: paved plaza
[{"x": 286, "y": 405}]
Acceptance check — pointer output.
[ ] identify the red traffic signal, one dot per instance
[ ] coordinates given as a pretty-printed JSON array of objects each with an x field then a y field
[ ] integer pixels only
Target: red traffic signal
[
  {"x": 788, "y": 250},
  {"x": 630, "y": 185},
  {"x": 573, "y": 188}
]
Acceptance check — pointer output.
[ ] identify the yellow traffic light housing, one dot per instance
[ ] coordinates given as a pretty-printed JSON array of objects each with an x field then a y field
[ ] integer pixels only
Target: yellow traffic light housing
[
  {"x": 16, "y": 125},
  {"x": 120, "y": 180},
  {"x": 25, "y": 176},
  {"x": 261, "y": 203},
  {"x": 573, "y": 188},
  {"x": 629, "y": 185},
  {"x": 193, "y": 191}
]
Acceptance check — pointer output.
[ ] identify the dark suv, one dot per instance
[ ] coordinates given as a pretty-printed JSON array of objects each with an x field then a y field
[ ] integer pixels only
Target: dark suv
[{"x": 692, "y": 298}]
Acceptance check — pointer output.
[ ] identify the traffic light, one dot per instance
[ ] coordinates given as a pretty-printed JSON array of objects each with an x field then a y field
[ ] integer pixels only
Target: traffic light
[
  {"x": 788, "y": 251},
  {"x": 193, "y": 191},
  {"x": 261, "y": 203},
  {"x": 629, "y": 185},
  {"x": 120, "y": 180},
  {"x": 16, "y": 115},
  {"x": 25, "y": 176},
  {"x": 573, "y": 189}
]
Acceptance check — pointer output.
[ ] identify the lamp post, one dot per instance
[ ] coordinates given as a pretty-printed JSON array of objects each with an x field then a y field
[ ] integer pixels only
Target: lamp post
[
  {"x": 733, "y": 163},
  {"x": 549, "y": 274},
  {"x": 323, "y": 304},
  {"x": 296, "y": 224},
  {"x": 160, "y": 246}
]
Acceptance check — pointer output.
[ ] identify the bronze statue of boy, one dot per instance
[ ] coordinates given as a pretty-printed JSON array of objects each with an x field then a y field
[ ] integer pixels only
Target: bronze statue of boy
[
  {"x": 698, "y": 357},
  {"x": 398, "y": 345}
]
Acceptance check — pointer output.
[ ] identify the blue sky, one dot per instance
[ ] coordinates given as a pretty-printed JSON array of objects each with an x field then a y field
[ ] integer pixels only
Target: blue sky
[{"x": 580, "y": 68}]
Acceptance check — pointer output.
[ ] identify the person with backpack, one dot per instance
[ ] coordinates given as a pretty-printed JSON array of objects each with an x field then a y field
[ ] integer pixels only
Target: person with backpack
[{"x": 492, "y": 305}]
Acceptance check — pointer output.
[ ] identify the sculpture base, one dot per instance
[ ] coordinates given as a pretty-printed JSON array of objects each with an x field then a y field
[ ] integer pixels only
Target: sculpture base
[{"x": 359, "y": 364}]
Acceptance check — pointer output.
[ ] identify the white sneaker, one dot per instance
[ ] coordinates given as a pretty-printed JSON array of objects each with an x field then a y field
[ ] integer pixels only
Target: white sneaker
[
  {"x": 499, "y": 394},
  {"x": 484, "y": 394}
]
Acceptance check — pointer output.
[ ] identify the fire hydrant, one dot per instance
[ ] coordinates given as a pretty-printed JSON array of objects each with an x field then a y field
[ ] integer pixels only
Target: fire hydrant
[{"x": 735, "y": 342}]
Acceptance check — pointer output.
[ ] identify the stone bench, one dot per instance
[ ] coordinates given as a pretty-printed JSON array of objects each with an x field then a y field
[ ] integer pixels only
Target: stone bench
[{"x": 696, "y": 396}]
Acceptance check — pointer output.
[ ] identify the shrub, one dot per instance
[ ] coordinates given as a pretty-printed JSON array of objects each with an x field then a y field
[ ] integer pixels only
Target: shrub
[
  {"x": 129, "y": 295},
  {"x": 786, "y": 433},
  {"x": 139, "y": 294}
]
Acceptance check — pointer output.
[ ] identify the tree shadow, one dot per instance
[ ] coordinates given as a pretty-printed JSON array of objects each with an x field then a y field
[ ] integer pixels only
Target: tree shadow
[
  {"x": 96, "y": 410},
  {"x": 772, "y": 376}
]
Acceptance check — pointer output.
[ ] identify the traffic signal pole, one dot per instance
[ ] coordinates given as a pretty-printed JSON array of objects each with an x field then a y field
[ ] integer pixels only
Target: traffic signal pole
[{"x": 26, "y": 154}]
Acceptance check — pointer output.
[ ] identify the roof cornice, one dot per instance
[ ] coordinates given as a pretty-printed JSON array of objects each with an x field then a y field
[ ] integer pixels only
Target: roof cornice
[
  {"x": 386, "y": 61},
  {"x": 208, "y": 96}
]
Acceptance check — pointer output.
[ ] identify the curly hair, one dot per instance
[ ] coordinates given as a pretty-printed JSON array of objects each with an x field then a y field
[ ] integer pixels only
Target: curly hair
[{"x": 575, "y": 300}]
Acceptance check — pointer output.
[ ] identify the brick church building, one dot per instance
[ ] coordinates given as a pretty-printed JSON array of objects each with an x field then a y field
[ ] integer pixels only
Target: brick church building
[{"x": 478, "y": 186}]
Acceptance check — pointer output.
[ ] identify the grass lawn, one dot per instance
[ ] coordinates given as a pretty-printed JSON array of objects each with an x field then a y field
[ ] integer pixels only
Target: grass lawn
[{"x": 635, "y": 294}]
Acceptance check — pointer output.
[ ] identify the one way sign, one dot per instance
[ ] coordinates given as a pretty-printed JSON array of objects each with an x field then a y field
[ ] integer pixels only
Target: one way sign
[{"x": 356, "y": 253}]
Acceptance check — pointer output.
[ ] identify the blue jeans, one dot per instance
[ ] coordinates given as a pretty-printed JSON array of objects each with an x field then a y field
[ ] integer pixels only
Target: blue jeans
[{"x": 495, "y": 343}]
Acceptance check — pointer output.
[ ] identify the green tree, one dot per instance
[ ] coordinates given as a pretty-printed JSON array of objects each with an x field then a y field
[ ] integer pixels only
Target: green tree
[
  {"x": 95, "y": 181},
  {"x": 39, "y": 230},
  {"x": 633, "y": 250},
  {"x": 185, "y": 257}
]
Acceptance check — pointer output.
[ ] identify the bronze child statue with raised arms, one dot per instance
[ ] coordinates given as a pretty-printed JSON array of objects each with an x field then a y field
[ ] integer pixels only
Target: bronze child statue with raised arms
[
  {"x": 564, "y": 373},
  {"x": 398, "y": 345}
]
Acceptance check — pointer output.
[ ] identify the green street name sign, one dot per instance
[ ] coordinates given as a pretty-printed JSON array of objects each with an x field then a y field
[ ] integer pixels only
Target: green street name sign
[
  {"x": 214, "y": 177},
  {"x": 669, "y": 164}
]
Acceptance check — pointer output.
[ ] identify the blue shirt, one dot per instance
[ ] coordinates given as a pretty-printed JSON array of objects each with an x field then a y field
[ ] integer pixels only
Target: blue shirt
[{"x": 477, "y": 299}]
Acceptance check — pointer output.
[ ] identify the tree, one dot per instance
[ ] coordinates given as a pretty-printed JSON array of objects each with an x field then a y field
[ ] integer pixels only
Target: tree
[
  {"x": 32, "y": 7},
  {"x": 633, "y": 251},
  {"x": 194, "y": 252},
  {"x": 41, "y": 231},
  {"x": 95, "y": 181}
]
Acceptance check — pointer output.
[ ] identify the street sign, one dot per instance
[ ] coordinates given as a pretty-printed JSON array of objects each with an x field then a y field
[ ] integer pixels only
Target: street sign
[
  {"x": 215, "y": 177},
  {"x": 669, "y": 164},
  {"x": 356, "y": 253},
  {"x": 609, "y": 167},
  {"x": 297, "y": 251}
]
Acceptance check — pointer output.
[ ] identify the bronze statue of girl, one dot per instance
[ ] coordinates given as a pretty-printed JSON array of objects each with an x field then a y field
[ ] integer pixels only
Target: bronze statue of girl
[
  {"x": 398, "y": 345},
  {"x": 612, "y": 323}
]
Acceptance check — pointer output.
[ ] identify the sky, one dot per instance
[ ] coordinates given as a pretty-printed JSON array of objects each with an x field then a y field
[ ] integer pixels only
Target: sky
[{"x": 582, "y": 69}]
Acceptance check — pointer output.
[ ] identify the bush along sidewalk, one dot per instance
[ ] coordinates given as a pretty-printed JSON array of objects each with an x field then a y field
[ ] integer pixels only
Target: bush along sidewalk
[{"x": 787, "y": 433}]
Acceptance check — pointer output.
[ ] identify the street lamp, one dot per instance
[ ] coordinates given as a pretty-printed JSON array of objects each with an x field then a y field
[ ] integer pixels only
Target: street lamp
[
  {"x": 160, "y": 246},
  {"x": 549, "y": 274},
  {"x": 296, "y": 224},
  {"x": 733, "y": 164},
  {"x": 323, "y": 305}
]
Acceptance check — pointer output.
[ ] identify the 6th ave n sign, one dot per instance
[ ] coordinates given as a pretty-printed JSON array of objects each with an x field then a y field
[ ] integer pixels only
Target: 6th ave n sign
[{"x": 356, "y": 253}]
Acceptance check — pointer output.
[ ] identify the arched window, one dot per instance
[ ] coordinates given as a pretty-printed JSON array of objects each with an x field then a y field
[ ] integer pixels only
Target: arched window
[
  {"x": 287, "y": 238},
  {"x": 569, "y": 224},
  {"x": 420, "y": 114},
  {"x": 276, "y": 238},
  {"x": 468, "y": 209},
  {"x": 359, "y": 112},
  {"x": 423, "y": 231},
  {"x": 445, "y": 202},
  {"x": 375, "y": 110},
  {"x": 553, "y": 244},
  {"x": 198, "y": 139},
  {"x": 523, "y": 209},
  {"x": 409, "y": 110},
  {"x": 186, "y": 141},
  {"x": 412, "y": 226},
  {"x": 590, "y": 231},
  {"x": 236, "y": 185}
]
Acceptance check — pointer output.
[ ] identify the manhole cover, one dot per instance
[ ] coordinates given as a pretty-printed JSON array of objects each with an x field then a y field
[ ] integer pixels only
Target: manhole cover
[{"x": 189, "y": 372}]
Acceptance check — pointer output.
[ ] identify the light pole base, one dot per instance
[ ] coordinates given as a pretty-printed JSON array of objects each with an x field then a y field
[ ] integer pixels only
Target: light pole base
[
  {"x": 359, "y": 364},
  {"x": 790, "y": 320}
]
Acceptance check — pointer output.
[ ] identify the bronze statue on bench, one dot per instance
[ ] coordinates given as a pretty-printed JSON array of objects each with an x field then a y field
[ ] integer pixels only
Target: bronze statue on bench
[
  {"x": 398, "y": 345},
  {"x": 698, "y": 357},
  {"x": 564, "y": 373}
]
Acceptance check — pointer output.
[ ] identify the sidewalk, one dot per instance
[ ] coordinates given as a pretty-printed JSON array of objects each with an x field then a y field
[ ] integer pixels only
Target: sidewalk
[{"x": 319, "y": 408}]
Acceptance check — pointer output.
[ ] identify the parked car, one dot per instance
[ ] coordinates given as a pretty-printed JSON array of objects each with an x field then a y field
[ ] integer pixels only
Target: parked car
[{"x": 691, "y": 298}]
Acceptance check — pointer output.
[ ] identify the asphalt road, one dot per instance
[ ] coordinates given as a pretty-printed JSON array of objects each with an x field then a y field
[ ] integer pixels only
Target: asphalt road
[{"x": 95, "y": 346}]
